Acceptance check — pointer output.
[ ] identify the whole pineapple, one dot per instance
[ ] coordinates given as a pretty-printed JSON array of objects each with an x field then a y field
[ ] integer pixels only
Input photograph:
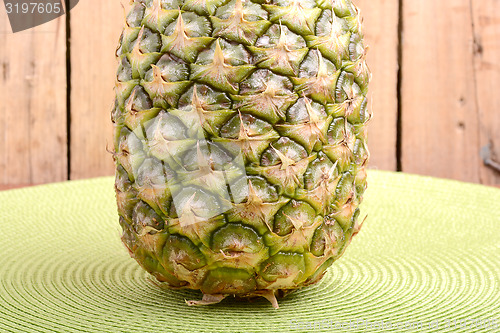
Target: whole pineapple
[{"x": 240, "y": 141}]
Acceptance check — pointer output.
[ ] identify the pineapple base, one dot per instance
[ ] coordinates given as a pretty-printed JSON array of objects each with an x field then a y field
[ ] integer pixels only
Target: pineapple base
[
  {"x": 179, "y": 265},
  {"x": 208, "y": 299}
]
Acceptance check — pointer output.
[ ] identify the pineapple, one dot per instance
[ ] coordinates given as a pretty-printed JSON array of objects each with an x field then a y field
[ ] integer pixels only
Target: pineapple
[{"x": 240, "y": 141}]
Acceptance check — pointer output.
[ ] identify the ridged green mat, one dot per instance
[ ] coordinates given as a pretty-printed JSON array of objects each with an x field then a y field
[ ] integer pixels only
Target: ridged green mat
[{"x": 428, "y": 254}]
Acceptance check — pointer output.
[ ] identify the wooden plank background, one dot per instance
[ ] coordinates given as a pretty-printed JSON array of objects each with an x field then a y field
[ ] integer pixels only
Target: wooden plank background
[
  {"x": 381, "y": 31},
  {"x": 33, "y": 137},
  {"x": 435, "y": 64},
  {"x": 440, "y": 118},
  {"x": 486, "y": 51},
  {"x": 95, "y": 30}
]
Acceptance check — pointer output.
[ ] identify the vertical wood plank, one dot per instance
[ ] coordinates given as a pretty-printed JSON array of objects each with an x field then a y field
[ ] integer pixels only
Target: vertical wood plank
[
  {"x": 33, "y": 103},
  {"x": 381, "y": 32},
  {"x": 487, "y": 67},
  {"x": 439, "y": 114},
  {"x": 95, "y": 30}
]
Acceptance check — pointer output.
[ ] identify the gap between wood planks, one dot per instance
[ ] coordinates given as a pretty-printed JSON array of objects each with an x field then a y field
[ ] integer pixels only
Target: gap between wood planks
[
  {"x": 399, "y": 116},
  {"x": 68, "y": 88}
]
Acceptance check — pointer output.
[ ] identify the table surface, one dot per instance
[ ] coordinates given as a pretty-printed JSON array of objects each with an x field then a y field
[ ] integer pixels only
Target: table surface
[{"x": 427, "y": 256}]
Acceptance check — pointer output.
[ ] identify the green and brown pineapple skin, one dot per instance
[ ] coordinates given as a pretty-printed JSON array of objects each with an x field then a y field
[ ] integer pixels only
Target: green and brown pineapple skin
[{"x": 240, "y": 141}]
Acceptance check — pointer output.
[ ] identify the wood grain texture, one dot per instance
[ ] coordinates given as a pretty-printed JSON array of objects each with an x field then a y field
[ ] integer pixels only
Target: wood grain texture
[
  {"x": 440, "y": 135},
  {"x": 381, "y": 33},
  {"x": 449, "y": 100},
  {"x": 95, "y": 30},
  {"x": 487, "y": 66},
  {"x": 14, "y": 186},
  {"x": 33, "y": 103}
]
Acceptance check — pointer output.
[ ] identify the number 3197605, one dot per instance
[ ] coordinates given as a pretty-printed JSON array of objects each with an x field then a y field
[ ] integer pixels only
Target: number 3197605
[{"x": 33, "y": 8}]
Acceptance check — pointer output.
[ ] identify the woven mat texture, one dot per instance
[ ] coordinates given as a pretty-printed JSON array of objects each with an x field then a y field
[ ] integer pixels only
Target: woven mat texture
[{"x": 427, "y": 259}]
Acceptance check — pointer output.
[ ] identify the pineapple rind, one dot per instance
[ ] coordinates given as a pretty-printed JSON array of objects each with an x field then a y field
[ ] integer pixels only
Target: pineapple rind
[{"x": 240, "y": 141}]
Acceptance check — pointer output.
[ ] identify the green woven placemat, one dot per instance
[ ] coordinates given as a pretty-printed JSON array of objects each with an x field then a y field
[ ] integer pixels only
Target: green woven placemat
[{"x": 427, "y": 257}]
